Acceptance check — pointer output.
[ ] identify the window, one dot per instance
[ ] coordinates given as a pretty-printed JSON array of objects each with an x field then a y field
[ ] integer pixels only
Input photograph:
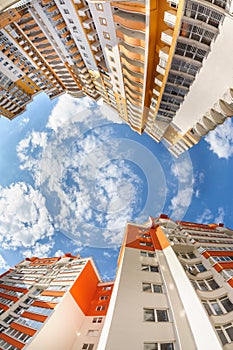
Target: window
[
  {"x": 71, "y": 21},
  {"x": 107, "y": 288},
  {"x": 104, "y": 297},
  {"x": 218, "y": 306},
  {"x": 225, "y": 333},
  {"x": 88, "y": 346},
  {"x": 112, "y": 59},
  {"x": 66, "y": 11},
  {"x": 93, "y": 333},
  {"x": 145, "y": 244},
  {"x": 106, "y": 35},
  {"x": 99, "y": 7},
  {"x": 156, "y": 346},
  {"x": 149, "y": 268},
  {"x": 97, "y": 320},
  {"x": 152, "y": 315},
  {"x": 109, "y": 47},
  {"x": 147, "y": 254},
  {"x": 103, "y": 21},
  {"x": 151, "y": 287},
  {"x": 100, "y": 308},
  {"x": 208, "y": 284}
]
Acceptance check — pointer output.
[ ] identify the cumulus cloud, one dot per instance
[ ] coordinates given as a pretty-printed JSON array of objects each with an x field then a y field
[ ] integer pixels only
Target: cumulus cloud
[
  {"x": 209, "y": 217},
  {"x": 24, "y": 218},
  {"x": 220, "y": 140},
  {"x": 40, "y": 250},
  {"x": 3, "y": 264},
  {"x": 90, "y": 192},
  {"x": 182, "y": 169},
  {"x": 59, "y": 253}
]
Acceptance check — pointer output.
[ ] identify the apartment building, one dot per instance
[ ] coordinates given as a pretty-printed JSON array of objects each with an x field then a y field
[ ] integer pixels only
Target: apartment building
[
  {"x": 159, "y": 64},
  {"x": 173, "y": 291},
  {"x": 52, "y": 303}
]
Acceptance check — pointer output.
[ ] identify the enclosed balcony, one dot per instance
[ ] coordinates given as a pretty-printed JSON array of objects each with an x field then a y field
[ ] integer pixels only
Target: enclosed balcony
[
  {"x": 131, "y": 37},
  {"x": 170, "y": 18},
  {"x": 166, "y": 36},
  {"x": 134, "y": 53},
  {"x": 92, "y": 35},
  {"x": 130, "y": 21},
  {"x": 88, "y": 23},
  {"x": 83, "y": 12},
  {"x": 131, "y": 7},
  {"x": 99, "y": 56},
  {"x": 134, "y": 66}
]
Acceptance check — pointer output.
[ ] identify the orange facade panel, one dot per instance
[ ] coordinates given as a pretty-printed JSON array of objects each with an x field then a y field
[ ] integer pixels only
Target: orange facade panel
[
  {"x": 100, "y": 302},
  {"x": 32, "y": 316},
  {"x": 4, "y": 307},
  {"x": 23, "y": 329},
  {"x": 207, "y": 254},
  {"x": 44, "y": 304},
  {"x": 159, "y": 239},
  {"x": 53, "y": 293},
  {"x": 12, "y": 341},
  {"x": 223, "y": 265},
  {"x": 84, "y": 288},
  {"x": 10, "y": 297},
  {"x": 134, "y": 237},
  {"x": 16, "y": 289}
]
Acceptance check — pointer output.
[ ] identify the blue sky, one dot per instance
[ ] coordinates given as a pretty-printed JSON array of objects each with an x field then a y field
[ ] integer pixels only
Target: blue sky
[{"x": 72, "y": 175}]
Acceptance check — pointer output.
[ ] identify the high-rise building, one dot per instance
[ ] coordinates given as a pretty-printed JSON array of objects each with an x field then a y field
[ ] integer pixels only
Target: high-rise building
[
  {"x": 173, "y": 291},
  {"x": 52, "y": 303},
  {"x": 164, "y": 66}
]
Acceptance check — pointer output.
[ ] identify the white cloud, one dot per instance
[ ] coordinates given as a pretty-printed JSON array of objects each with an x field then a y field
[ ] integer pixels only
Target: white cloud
[
  {"x": 24, "y": 218},
  {"x": 3, "y": 264},
  {"x": 182, "y": 169},
  {"x": 68, "y": 109},
  {"x": 220, "y": 216},
  {"x": 90, "y": 192},
  {"x": 40, "y": 250},
  {"x": 107, "y": 255},
  {"x": 208, "y": 217},
  {"x": 59, "y": 253},
  {"x": 220, "y": 140}
]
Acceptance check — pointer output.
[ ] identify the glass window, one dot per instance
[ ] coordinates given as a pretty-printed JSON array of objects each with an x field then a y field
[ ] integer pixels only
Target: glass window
[
  {"x": 149, "y": 315},
  {"x": 106, "y": 35},
  {"x": 103, "y": 21},
  {"x": 146, "y": 287},
  {"x": 166, "y": 346},
  {"x": 227, "y": 304},
  {"x": 150, "y": 346},
  {"x": 162, "y": 315},
  {"x": 99, "y": 7}
]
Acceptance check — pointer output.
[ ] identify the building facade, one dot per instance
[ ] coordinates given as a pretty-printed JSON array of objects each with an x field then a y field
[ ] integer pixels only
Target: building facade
[
  {"x": 173, "y": 291},
  {"x": 154, "y": 62},
  {"x": 52, "y": 303}
]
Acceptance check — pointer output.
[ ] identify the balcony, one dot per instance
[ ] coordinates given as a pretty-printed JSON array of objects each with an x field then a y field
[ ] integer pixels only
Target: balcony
[
  {"x": 170, "y": 18},
  {"x": 87, "y": 24},
  {"x": 164, "y": 54},
  {"x": 92, "y": 35},
  {"x": 166, "y": 36},
  {"x": 134, "y": 53},
  {"x": 83, "y": 11},
  {"x": 96, "y": 46},
  {"x": 99, "y": 56},
  {"x": 130, "y": 21},
  {"x": 61, "y": 25},
  {"x": 159, "y": 80},
  {"x": 131, "y": 37}
]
